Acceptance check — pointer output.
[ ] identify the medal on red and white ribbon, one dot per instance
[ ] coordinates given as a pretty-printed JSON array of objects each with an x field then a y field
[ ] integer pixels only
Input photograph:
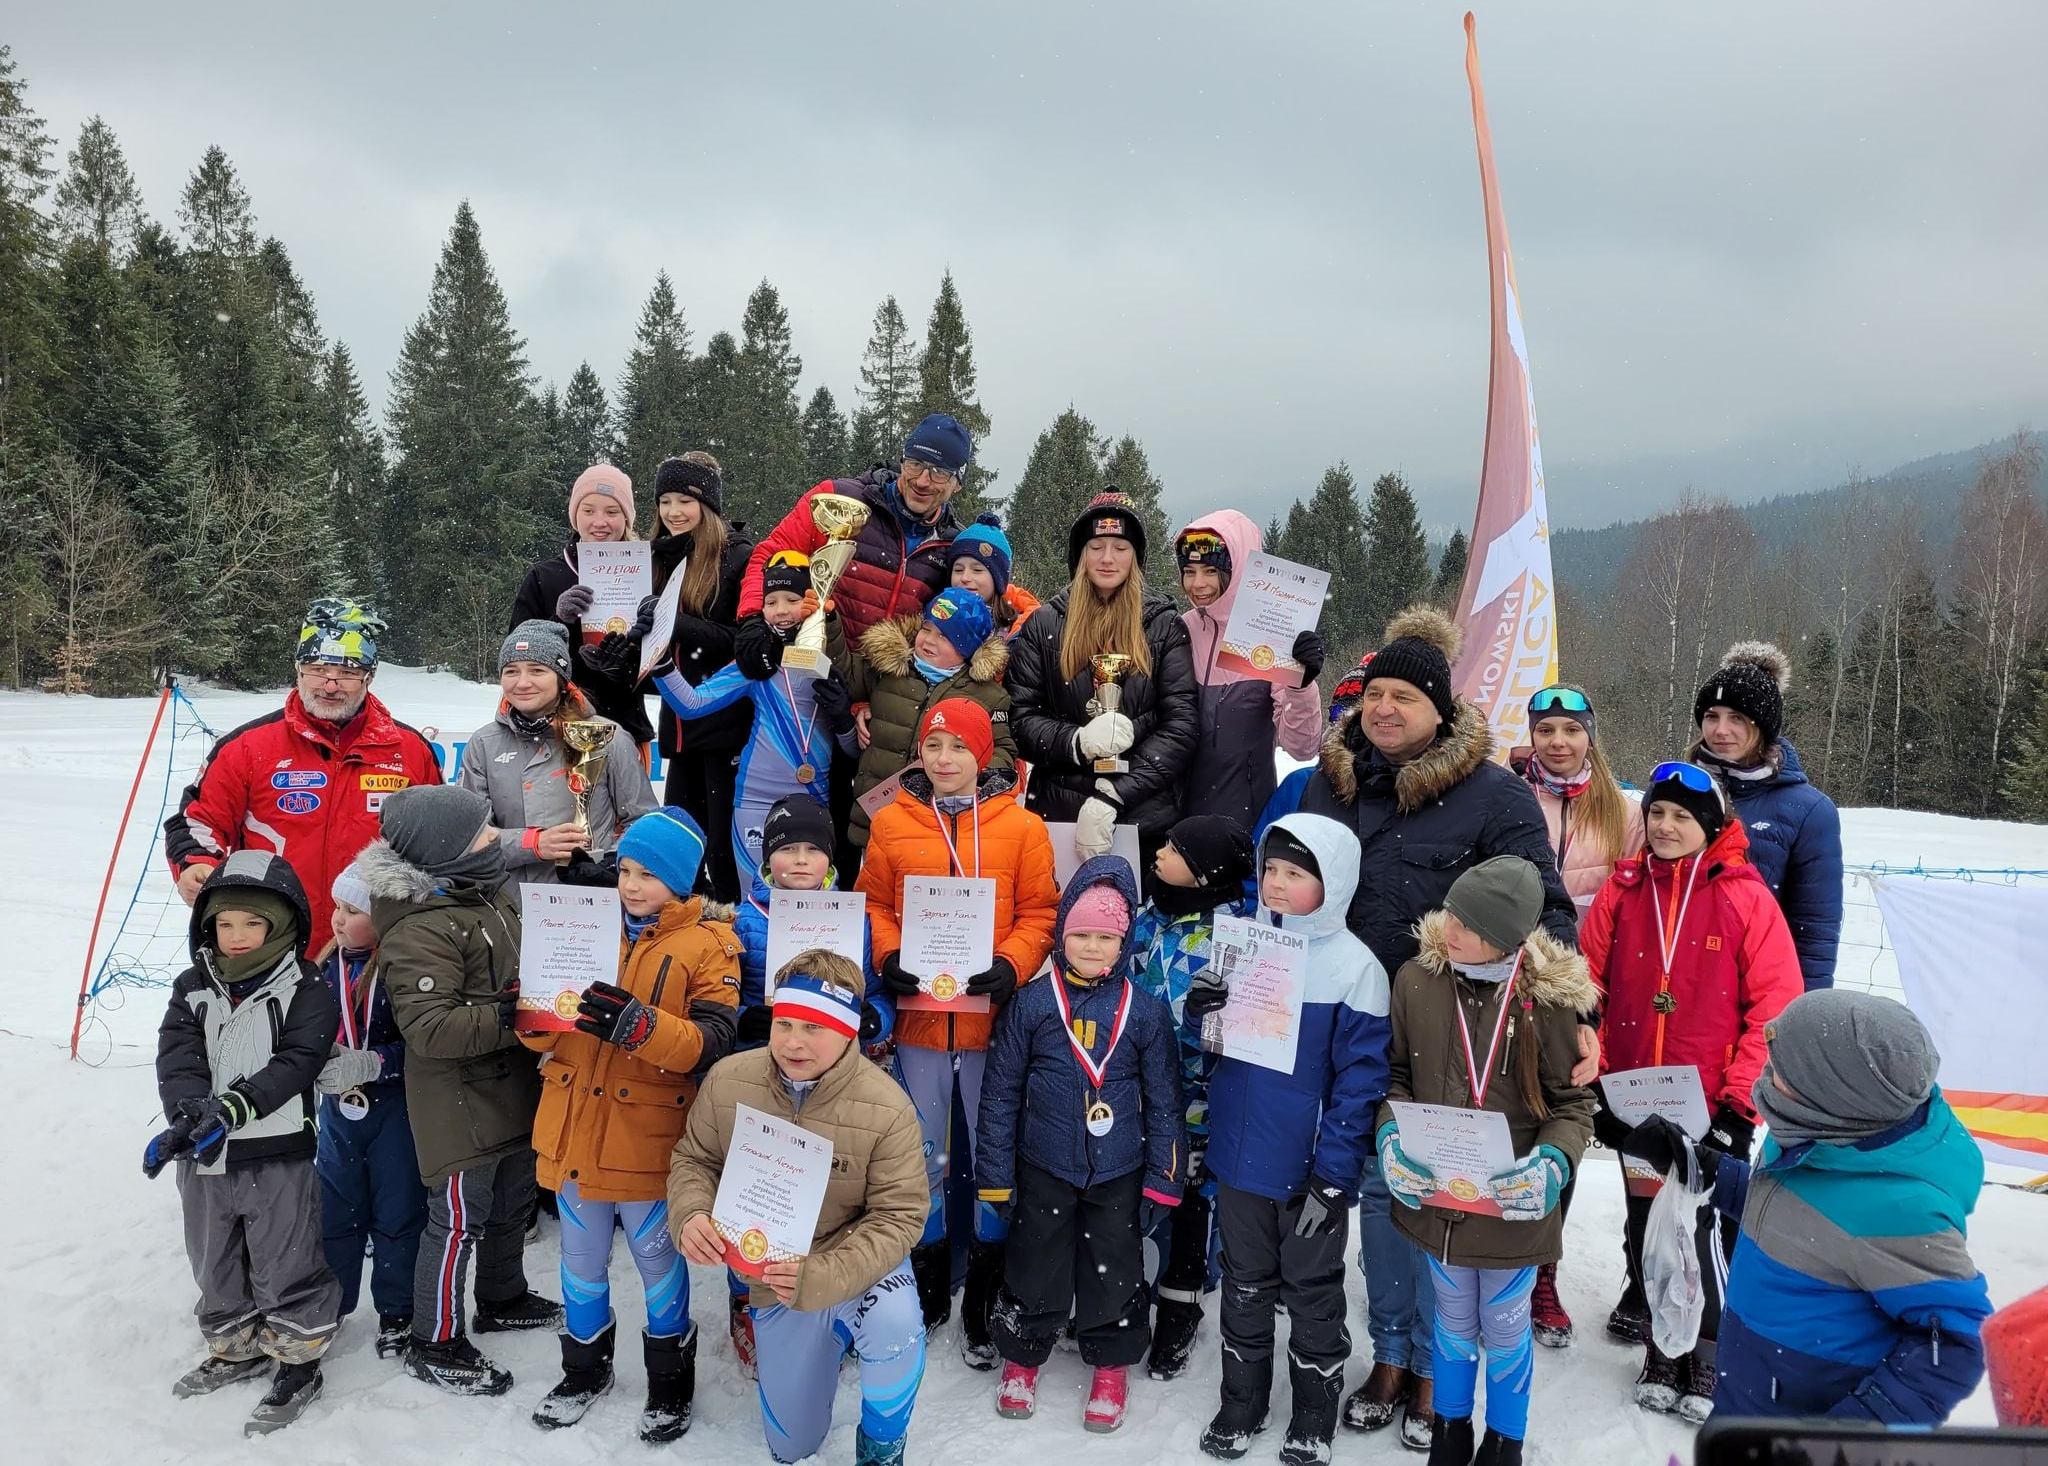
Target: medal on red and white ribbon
[{"x": 1099, "y": 1118}]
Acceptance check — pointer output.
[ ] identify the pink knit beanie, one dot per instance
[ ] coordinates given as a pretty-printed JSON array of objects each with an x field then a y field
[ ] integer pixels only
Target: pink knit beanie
[
  {"x": 602, "y": 478},
  {"x": 1098, "y": 909}
]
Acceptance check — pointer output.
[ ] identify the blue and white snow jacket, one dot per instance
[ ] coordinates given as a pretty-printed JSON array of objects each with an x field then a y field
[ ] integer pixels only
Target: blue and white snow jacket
[
  {"x": 750, "y": 925},
  {"x": 1268, "y": 1131},
  {"x": 1795, "y": 843}
]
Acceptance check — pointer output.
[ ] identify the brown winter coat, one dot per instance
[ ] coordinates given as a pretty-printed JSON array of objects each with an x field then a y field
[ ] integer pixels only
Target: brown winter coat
[
  {"x": 884, "y": 675},
  {"x": 876, "y": 1201},
  {"x": 608, "y": 1118},
  {"x": 1426, "y": 1063}
]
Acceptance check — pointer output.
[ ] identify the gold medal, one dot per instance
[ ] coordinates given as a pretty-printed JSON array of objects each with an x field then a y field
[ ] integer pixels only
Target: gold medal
[
  {"x": 753, "y": 1245},
  {"x": 805, "y": 773},
  {"x": 567, "y": 1003},
  {"x": 1262, "y": 657},
  {"x": 945, "y": 987},
  {"x": 1463, "y": 1190},
  {"x": 1101, "y": 1118}
]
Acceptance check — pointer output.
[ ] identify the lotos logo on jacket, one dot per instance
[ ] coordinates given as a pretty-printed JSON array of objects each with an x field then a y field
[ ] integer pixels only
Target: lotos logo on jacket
[
  {"x": 384, "y": 783},
  {"x": 299, "y": 779}
]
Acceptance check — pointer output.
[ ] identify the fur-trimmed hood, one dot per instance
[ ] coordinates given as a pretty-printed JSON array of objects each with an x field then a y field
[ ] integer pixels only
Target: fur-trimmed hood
[
  {"x": 390, "y": 875},
  {"x": 1460, "y": 749},
  {"x": 887, "y": 646},
  {"x": 1552, "y": 973}
]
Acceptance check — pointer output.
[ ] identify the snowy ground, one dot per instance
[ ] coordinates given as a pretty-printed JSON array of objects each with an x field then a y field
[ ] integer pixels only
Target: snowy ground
[{"x": 100, "y": 1320}]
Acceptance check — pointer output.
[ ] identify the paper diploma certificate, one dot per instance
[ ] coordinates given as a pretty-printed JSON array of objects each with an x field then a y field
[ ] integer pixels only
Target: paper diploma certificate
[
  {"x": 948, "y": 937},
  {"x": 770, "y": 1192},
  {"x": 1266, "y": 970},
  {"x": 1465, "y": 1148},
  {"x": 801, "y": 920},
  {"x": 620, "y": 575},
  {"x": 1276, "y": 601},
  {"x": 1670, "y": 1090},
  {"x": 568, "y": 939}
]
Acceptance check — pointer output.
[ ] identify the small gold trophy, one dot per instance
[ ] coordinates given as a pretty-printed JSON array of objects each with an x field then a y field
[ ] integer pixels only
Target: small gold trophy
[
  {"x": 839, "y": 517},
  {"x": 1109, "y": 668},
  {"x": 590, "y": 742}
]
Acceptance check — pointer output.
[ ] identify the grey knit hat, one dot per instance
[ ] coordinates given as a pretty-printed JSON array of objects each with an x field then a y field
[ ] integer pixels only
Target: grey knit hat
[
  {"x": 1500, "y": 899},
  {"x": 433, "y": 825},
  {"x": 1856, "y": 1064},
  {"x": 537, "y": 641}
]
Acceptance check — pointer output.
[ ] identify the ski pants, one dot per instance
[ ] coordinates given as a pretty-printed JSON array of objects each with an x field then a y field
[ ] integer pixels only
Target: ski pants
[
  {"x": 1400, "y": 1305},
  {"x": 1489, "y": 1305},
  {"x": 370, "y": 1191},
  {"x": 481, "y": 1213},
  {"x": 704, "y": 784},
  {"x": 1184, "y": 1255},
  {"x": 587, "y": 1263},
  {"x": 1714, "y": 1239},
  {"x": 252, "y": 1233},
  {"x": 800, "y": 1355},
  {"x": 931, "y": 1076},
  {"x": 1073, "y": 1252},
  {"x": 1266, "y": 1265}
]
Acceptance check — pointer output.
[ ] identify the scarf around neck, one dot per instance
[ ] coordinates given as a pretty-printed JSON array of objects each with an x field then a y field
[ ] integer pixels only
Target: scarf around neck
[{"x": 1568, "y": 787}]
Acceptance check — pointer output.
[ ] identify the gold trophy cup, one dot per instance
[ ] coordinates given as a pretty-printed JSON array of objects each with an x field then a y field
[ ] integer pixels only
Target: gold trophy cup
[
  {"x": 1108, "y": 669},
  {"x": 839, "y": 517},
  {"x": 589, "y": 742}
]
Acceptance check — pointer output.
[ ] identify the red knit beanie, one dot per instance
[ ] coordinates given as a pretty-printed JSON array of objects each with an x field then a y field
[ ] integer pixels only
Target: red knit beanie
[{"x": 967, "y": 721}]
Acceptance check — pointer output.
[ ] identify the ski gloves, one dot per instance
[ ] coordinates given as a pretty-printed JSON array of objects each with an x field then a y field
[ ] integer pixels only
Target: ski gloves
[
  {"x": 200, "y": 1127},
  {"x": 1319, "y": 1204},
  {"x": 756, "y": 649},
  {"x": 1409, "y": 1181},
  {"x": 1106, "y": 735},
  {"x": 1528, "y": 1190},
  {"x": 1094, "y": 828},
  {"x": 612, "y": 1015},
  {"x": 347, "y": 1068}
]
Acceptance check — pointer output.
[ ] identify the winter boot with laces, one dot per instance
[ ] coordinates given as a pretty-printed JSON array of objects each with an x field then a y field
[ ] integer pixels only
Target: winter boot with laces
[
  {"x": 984, "y": 1275},
  {"x": 1498, "y": 1450},
  {"x": 1108, "y": 1395},
  {"x": 1017, "y": 1394},
  {"x": 512, "y": 1315},
  {"x": 1372, "y": 1405},
  {"x": 1247, "y": 1396},
  {"x": 671, "y": 1386},
  {"x": 294, "y": 1387},
  {"x": 455, "y": 1365},
  {"x": 586, "y": 1374},
  {"x": 1549, "y": 1322},
  {"x": 1696, "y": 1393},
  {"x": 1313, "y": 1420},
  {"x": 394, "y": 1331},
  {"x": 217, "y": 1370},
  {"x": 1450, "y": 1441},
  {"x": 1175, "y": 1322},
  {"x": 1657, "y": 1387}
]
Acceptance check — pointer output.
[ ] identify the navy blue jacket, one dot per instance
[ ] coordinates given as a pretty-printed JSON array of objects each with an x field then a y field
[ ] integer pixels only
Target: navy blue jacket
[
  {"x": 1795, "y": 843},
  {"x": 384, "y": 1035},
  {"x": 1034, "y": 1095}
]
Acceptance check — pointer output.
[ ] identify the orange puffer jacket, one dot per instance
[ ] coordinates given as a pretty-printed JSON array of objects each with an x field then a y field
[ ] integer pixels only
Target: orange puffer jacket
[
  {"x": 609, "y": 1118},
  {"x": 999, "y": 840}
]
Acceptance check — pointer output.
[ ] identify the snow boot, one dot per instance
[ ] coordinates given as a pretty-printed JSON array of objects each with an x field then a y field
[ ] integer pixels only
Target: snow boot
[
  {"x": 1630, "y": 1321},
  {"x": 1313, "y": 1419},
  {"x": 1498, "y": 1450},
  {"x": 217, "y": 1370},
  {"x": 1696, "y": 1392},
  {"x": 1174, "y": 1325},
  {"x": 1657, "y": 1387},
  {"x": 1017, "y": 1394},
  {"x": 455, "y": 1365},
  {"x": 1418, "y": 1416},
  {"x": 984, "y": 1275},
  {"x": 527, "y": 1311},
  {"x": 394, "y": 1331},
  {"x": 294, "y": 1388},
  {"x": 1247, "y": 1399},
  {"x": 1549, "y": 1322},
  {"x": 586, "y": 1374},
  {"x": 867, "y": 1451},
  {"x": 1450, "y": 1442},
  {"x": 1108, "y": 1395},
  {"x": 1372, "y": 1405},
  {"x": 931, "y": 1263},
  {"x": 740, "y": 1324},
  {"x": 671, "y": 1385}
]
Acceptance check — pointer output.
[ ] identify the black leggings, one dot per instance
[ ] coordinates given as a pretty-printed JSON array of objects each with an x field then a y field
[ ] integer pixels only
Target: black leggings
[{"x": 705, "y": 785}]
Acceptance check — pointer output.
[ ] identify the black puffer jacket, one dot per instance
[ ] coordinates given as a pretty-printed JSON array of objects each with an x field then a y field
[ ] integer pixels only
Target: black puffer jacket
[
  {"x": 1046, "y": 712},
  {"x": 543, "y": 586},
  {"x": 703, "y": 644}
]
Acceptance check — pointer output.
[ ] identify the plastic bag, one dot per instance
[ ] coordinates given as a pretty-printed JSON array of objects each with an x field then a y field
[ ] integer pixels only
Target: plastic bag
[{"x": 1672, "y": 1284}]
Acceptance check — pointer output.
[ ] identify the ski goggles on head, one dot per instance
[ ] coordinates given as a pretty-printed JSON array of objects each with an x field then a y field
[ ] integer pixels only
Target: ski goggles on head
[
  {"x": 1559, "y": 700},
  {"x": 1692, "y": 777}
]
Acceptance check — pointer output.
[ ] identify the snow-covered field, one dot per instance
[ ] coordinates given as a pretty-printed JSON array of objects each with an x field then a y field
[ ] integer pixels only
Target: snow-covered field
[{"x": 99, "y": 1316}]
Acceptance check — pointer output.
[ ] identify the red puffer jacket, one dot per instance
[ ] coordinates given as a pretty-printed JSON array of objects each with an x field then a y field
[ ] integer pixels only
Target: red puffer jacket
[
  {"x": 1733, "y": 966},
  {"x": 292, "y": 784},
  {"x": 882, "y": 581}
]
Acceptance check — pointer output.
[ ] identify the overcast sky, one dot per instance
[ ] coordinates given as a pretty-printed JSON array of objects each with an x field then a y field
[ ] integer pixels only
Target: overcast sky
[{"x": 1757, "y": 243}]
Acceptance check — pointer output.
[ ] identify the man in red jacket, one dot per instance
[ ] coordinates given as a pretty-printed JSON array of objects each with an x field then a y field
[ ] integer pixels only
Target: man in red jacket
[{"x": 305, "y": 782}]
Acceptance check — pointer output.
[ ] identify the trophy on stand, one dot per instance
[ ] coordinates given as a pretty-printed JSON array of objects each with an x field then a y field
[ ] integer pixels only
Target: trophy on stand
[
  {"x": 589, "y": 742},
  {"x": 1108, "y": 669},
  {"x": 839, "y": 518}
]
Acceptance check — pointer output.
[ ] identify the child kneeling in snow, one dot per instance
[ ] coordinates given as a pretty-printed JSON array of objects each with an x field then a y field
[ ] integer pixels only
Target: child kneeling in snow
[
  {"x": 854, "y": 1287},
  {"x": 1081, "y": 1136},
  {"x": 245, "y": 1034},
  {"x": 1851, "y": 1293},
  {"x": 1486, "y": 1016}
]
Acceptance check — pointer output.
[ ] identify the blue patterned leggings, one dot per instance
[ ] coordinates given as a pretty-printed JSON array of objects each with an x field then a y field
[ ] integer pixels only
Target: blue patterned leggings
[
  {"x": 587, "y": 1260},
  {"x": 1490, "y": 1306}
]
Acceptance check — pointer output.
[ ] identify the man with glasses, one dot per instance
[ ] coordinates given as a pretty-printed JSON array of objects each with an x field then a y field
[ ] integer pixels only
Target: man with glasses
[{"x": 305, "y": 782}]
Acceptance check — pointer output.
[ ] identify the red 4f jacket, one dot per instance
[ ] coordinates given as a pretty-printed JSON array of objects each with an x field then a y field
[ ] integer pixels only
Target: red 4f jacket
[
  {"x": 288, "y": 783},
  {"x": 882, "y": 581},
  {"x": 1733, "y": 966}
]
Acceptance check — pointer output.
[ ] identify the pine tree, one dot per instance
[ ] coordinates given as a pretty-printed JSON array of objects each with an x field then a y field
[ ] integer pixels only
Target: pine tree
[
  {"x": 1063, "y": 473},
  {"x": 719, "y": 418},
  {"x": 1398, "y": 571},
  {"x": 1329, "y": 533},
  {"x": 826, "y": 454},
  {"x": 356, "y": 479},
  {"x": 764, "y": 472},
  {"x": 587, "y": 426},
  {"x": 2026, "y": 786},
  {"x": 215, "y": 209},
  {"x": 26, "y": 244},
  {"x": 1275, "y": 538},
  {"x": 1126, "y": 469},
  {"x": 466, "y": 483},
  {"x": 1450, "y": 572},
  {"x": 946, "y": 383},
  {"x": 98, "y": 199},
  {"x": 888, "y": 389},
  {"x": 659, "y": 414}
]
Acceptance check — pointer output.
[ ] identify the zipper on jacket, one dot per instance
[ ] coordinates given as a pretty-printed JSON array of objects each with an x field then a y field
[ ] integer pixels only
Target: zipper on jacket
[{"x": 660, "y": 981}]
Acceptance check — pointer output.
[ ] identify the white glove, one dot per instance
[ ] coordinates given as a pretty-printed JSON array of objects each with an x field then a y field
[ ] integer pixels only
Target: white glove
[
  {"x": 1106, "y": 735},
  {"x": 347, "y": 1068},
  {"x": 1106, "y": 787},
  {"x": 1094, "y": 828}
]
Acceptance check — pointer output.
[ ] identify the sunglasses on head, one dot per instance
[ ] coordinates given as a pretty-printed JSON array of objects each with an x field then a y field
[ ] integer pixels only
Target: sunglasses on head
[
  {"x": 1692, "y": 776},
  {"x": 1559, "y": 700}
]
